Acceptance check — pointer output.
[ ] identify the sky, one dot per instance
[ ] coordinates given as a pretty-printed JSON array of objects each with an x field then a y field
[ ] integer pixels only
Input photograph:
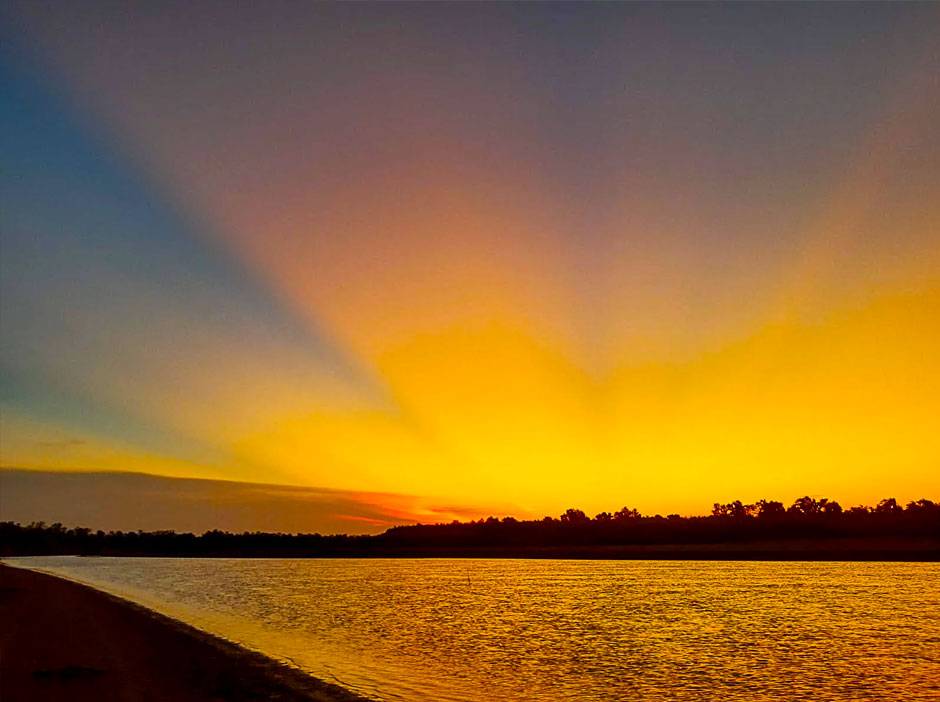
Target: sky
[{"x": 470, "y": 258}]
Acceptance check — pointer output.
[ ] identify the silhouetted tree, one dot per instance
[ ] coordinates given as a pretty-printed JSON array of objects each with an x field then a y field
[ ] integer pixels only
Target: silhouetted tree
[
  {"x": 888, "y": 506},
  {"x": 574, "y": 515},
  {"x": 808, "y": 518},
  {"x": 768, "y": 509},
  {"x": 735, "y": 510},
  {"x": 804, "y": 505},
  {"x": 921, "y": 506},
  {"x": 627, "y": 513}
]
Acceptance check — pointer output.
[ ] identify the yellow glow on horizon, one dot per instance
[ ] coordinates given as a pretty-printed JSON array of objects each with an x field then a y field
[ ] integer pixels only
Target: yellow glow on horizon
[
  {"x": 829, "y": 409},
  {"x": 491, "y": 415}
]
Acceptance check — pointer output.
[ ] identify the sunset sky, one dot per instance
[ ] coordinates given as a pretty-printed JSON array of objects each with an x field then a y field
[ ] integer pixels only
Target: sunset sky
[{"x": 456, "y": 260}]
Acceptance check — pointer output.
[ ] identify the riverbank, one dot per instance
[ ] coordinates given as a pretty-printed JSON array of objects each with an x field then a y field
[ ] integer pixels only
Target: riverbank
[
  {"x": 862, "y": 550},
  {"x": 926, "y": 550},
  {"x": 61, "y": 640}
]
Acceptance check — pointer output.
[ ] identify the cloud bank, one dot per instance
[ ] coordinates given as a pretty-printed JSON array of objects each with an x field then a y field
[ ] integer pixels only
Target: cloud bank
[{"x": 131, "y": 501}]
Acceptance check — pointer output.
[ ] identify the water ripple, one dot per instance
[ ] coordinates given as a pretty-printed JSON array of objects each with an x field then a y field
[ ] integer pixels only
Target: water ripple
[{"x": 539, "y": 630}]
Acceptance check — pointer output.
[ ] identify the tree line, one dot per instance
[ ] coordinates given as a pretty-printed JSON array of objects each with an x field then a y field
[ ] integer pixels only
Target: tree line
[{"x": 736, "y": 522}]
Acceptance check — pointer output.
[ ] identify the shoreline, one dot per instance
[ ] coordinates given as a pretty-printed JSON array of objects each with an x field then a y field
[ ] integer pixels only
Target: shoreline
[
  {"x": 64, "y": 640},
  {"x": 923, "y": 549}
]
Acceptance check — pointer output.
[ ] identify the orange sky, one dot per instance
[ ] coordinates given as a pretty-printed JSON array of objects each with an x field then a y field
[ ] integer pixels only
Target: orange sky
[{"x": 497, "y": 258}]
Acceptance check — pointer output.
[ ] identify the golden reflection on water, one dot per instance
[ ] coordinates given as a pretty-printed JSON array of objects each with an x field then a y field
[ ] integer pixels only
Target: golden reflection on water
[{"x": 533, "y": 630}]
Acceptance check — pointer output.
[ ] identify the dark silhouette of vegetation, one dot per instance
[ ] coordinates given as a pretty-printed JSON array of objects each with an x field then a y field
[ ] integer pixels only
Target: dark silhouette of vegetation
[{"x": 886, "y": 530}]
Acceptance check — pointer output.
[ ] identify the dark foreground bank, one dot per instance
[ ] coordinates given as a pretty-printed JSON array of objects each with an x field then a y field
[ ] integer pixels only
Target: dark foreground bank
[{"x": 65, "y": 641}]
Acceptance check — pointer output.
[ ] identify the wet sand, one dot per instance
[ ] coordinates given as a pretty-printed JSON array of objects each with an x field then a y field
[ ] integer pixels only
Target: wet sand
[{"x": 60, "y": 640}]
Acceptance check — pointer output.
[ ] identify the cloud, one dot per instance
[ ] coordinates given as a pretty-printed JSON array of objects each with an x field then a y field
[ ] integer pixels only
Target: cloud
[{"x": 131, "y": 501}]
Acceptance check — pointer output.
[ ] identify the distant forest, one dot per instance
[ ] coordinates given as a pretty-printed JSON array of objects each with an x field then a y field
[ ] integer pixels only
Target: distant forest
[{"x": 809, "y": 528}]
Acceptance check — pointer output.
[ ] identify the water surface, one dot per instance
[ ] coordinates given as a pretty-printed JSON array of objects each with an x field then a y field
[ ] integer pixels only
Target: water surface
[{"x": 537, "y": 630}]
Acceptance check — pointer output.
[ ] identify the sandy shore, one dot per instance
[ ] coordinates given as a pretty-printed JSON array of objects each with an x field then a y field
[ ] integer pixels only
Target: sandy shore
[{"x": 63, "y": 641}]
